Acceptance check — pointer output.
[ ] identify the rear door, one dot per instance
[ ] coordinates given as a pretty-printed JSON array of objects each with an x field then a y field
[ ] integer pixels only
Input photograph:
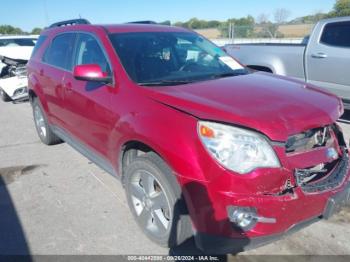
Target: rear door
[
  {"x": 328, "y": 58},
  {"x": 57, "y": 61},
  {"x": 87, "y": 102}
]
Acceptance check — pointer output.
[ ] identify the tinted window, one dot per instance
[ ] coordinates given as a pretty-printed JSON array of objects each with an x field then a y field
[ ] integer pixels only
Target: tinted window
[
  {"x": 18, "y": 42},
  {"x": 337, "y": 34},
  {"x": 170, "y": 58},
  {"x": 90, "y": 52},
  {"x": 38, "y": 44},
  {"x": 60, "y": 51}
]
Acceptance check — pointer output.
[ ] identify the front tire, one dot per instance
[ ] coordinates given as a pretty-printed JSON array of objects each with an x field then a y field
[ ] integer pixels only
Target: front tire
[
  {"x": 155, "y": 200},
  {"x": 42, "y": 126}
]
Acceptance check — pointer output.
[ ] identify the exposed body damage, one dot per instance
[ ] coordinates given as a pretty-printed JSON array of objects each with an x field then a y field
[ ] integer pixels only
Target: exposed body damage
[{"x": 13, "y": 79}]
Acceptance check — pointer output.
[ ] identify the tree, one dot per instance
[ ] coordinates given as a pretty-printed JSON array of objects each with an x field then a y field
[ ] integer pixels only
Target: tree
[
  {"x": 262, "y": 18},
  {"x": 268, "y": 29},
  {"x": 213, "y": 24},
  {"x": 243, "y": 27},
  {"x": 281, "y": 15},
  {"x": 10, "y": 30},
  {"x": 340, "y": 8},
  {"x": 36, "y": 31}
]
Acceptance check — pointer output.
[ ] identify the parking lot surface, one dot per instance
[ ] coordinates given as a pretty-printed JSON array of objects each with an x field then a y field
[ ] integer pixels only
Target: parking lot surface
[{"x": 55, "y": 201}]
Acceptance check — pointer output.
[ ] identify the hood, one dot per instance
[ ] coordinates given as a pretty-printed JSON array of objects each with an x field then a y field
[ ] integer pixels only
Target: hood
[
  {"x": 16, "y": 52},
  {"x": 274, "y": 105}
]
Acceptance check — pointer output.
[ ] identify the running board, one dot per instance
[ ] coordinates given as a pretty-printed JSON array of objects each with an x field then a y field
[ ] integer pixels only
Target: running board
[{"x": 88, "y": 153}]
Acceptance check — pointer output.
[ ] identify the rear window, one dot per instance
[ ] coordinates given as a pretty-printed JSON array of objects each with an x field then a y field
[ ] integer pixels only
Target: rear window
[
  {"x": 60, "y": 52},
  {"x": 336, "y": 34},
  {"x": 38, "y": 44}
]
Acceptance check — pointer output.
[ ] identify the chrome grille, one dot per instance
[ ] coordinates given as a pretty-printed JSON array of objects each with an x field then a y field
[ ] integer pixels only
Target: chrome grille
[{"x": 309, "y": 139}]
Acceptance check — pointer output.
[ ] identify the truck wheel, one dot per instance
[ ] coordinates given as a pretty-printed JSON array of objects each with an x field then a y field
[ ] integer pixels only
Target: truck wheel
[
  {"x": 4, "y": 96},
  {"x": 42, "y": 126},
  {"x": 154, "y": 198}
]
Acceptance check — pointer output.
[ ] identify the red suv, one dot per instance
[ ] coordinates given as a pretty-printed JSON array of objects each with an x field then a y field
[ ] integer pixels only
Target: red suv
[{"x": 203, "y": 146}]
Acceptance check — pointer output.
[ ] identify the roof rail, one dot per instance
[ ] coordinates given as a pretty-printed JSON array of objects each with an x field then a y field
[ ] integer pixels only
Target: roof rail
[
  {"x": 79, "y": 21},
  {"x": 142, "y": 22}
]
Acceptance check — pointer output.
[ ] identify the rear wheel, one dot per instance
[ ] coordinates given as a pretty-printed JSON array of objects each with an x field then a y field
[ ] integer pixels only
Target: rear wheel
[
  {"x": 154, "y": 198},
  {"x": 4, "y": 96},
  {"x": 42, "y": 126}
]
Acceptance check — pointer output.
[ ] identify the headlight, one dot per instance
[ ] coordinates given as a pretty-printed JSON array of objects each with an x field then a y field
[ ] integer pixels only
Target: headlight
[{"x": 235, "y": 148}]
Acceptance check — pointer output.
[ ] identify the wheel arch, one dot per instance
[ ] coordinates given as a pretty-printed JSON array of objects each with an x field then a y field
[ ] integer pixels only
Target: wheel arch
[{"x": 32, "y": 95}]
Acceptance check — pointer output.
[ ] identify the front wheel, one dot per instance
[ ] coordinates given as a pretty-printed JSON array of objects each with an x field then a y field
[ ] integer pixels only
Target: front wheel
[
  {"x": 155, "y": 201},
  {"x": 42, "y": 126}
]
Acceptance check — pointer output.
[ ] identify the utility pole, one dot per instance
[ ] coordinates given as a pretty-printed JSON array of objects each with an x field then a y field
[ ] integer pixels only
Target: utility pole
[{"x": 231, "y": 31}]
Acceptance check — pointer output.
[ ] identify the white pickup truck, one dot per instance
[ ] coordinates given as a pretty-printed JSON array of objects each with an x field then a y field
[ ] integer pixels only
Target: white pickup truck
[{"x": 323, "y": 59}]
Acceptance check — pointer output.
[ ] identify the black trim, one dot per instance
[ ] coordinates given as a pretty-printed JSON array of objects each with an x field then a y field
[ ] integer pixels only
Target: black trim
[
  {"x": 146, "y": 22},
  {"x": 336, "y": 202},
  {"x": 79, "y": 21},
  {"x": 223, "y": 245},
  {"x": 336, "y": 177},
  {"x": 84, "y": 150}
]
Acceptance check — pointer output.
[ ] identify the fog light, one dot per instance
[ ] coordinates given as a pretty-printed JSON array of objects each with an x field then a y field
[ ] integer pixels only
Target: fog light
[
  {"x": 243, "y": 217},
  {"x": 246, "y": 218}
]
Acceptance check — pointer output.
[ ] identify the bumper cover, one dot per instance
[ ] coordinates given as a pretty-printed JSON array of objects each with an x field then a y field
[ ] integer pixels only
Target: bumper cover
[{"x": 223, "y": 245}]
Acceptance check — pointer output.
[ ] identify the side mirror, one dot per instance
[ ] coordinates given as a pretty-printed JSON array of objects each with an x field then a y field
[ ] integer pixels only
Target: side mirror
[{"x": 91, "y": 72}]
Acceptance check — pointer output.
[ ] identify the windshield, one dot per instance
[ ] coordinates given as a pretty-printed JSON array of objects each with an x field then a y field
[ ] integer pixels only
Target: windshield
[
  {"x": 171, "y": 58},
  {"x": 17, "y": 42}
]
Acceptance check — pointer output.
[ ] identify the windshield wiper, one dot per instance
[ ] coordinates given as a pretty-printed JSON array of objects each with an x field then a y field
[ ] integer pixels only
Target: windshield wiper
[
  {"x": 224, "y": 75},
  {"x": 165, "y": 83}
]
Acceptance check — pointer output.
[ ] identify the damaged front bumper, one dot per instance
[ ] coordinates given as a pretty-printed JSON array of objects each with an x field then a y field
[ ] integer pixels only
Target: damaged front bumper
[
  {"x": 292, "y": 212},
  {"x": 13, "y": 79},
  {"x": 309, "y": 194},
  {"x": 15, "y": 87}
]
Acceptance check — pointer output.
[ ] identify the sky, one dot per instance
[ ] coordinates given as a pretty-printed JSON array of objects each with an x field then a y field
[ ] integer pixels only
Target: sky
[{"x": 40, "y": 13}]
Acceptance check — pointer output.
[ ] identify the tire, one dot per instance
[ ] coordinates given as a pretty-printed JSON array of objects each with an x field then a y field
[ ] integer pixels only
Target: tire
[
  {"x": 4, "y": 96},
  {"x": 167, "y": 222},
  {"x": 42, "y": 126}
]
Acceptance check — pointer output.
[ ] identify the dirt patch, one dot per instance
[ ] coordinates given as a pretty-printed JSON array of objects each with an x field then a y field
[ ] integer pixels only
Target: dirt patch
[
  {"x": 343, "y": 216},
  {"x": 11, "y": 174}
]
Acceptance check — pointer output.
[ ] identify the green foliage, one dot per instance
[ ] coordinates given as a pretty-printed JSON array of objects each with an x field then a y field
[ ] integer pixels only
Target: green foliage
[
  {"x": 10, "y": 30},
  {"x": 36, "y": 31},
  {"x": 341, "y": 8},
  {"x": 244, "y": 27},
  {"x": 195, "y": 23},
  {"x": 309, "y": 19}
]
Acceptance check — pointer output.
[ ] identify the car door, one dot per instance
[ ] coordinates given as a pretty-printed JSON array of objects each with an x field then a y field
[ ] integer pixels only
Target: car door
[
  {"x": 56, "y": 62},
  {"x": 328, "y": 59},
  {"x": 88, "y": 103}
]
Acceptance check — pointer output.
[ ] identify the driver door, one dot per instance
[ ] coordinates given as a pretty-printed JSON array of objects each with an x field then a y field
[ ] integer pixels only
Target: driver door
[{"x": 88, "y": 102}]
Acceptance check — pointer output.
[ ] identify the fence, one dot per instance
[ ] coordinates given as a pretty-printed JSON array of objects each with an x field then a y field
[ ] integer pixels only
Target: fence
[{"x": 266, "y": 33}]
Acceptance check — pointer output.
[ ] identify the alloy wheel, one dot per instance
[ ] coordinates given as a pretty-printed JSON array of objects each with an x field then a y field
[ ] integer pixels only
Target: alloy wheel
[
  {"x": 150, "y": 203},
  {"x": 40, "y": 121}
]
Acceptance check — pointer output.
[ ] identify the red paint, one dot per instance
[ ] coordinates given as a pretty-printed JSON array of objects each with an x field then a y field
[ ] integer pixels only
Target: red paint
[
  {"x": 165, "y": 119},
  {"x": 88, "y": 71}
]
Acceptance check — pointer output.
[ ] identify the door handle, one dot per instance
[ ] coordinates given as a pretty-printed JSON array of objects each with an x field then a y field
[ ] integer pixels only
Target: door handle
[{"x": 319, "y": 55}]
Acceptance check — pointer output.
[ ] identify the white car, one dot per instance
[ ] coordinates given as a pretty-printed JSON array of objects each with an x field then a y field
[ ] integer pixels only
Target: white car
[{"x": 15, "y": 52}]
